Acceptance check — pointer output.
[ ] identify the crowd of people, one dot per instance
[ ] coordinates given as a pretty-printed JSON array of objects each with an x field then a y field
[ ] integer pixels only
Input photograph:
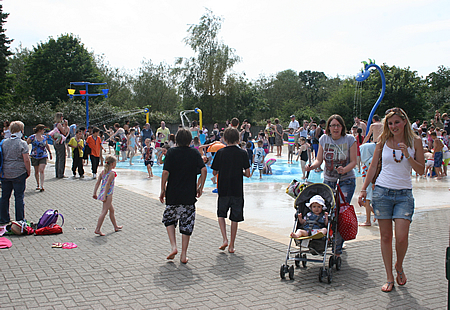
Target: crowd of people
[{"x": 232, "y": 152}]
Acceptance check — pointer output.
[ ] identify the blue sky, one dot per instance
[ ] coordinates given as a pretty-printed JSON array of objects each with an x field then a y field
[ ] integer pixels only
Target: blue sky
[{"x": 269, "y": 36}]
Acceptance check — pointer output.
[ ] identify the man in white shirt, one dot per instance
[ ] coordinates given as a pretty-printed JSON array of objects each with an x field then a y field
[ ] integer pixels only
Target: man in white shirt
[
  {"x": 415, "y": 125},
  {"x": 296, "y": 126}
]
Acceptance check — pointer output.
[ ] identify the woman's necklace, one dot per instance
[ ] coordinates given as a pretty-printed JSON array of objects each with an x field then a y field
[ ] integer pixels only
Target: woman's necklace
[{"x": 395, "y": 158}]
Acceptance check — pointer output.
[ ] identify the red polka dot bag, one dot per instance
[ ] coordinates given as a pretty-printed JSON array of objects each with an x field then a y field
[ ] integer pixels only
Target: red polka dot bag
[{"x": 347, "y": 221}]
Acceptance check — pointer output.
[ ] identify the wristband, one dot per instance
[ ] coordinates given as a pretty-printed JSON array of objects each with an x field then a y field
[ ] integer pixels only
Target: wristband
[
  {"x": 408, "y": 156},
  {"x": 363, "y": 190}
]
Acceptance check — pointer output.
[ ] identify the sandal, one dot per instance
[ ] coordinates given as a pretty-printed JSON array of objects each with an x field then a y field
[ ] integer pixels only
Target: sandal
[
  {"x": 42, "y": 189},
  {"x": 38, "y": 188},
  {"x": 400, "y": 275},
  {"x": 69, "y": 245},
  {"x": 388, "y": 287},
  {"x": 57, "y": 245}
]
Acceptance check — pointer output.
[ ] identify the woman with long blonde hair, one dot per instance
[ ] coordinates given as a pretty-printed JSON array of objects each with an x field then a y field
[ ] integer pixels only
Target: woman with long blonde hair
[{"x": 392, "y": 200}]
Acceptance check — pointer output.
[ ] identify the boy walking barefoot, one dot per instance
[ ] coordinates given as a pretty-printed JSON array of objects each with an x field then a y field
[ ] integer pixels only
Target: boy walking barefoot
[
  {"x": 258, "y": 159},
  {"x": 147, "y": 155},
  {"x": 231, "y": 164},
  {"x": 179, "y": 187}
]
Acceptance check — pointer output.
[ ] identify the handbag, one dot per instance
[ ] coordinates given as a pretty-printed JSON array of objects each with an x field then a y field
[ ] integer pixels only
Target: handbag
[
  {"x": 347, "y": 222},
  {"x": 377, "y": 172},
  {"x": 379, "y": 164}
]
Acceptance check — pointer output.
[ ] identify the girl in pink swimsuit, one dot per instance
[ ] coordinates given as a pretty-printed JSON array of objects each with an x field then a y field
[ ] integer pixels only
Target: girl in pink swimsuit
[{"x": 106, "y": 191}]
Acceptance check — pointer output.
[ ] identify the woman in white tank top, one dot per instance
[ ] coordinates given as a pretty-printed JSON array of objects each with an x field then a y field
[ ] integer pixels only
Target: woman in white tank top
[{"x": 392, "y": 197}]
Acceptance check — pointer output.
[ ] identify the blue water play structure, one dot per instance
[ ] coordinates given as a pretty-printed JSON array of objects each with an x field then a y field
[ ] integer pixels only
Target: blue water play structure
[
  {"x": 84, "y": 94},
  {"x": 362, "y": 76}
]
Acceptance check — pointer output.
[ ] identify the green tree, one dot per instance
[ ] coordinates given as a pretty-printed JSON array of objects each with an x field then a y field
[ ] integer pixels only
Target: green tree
[
  {"x": 438, "y": 96},
  {"x": 242, "y": 99},
  {"x": 20, "y": 89},
  {"x": 119, "y": 84},
  {"x": 404, "y": 89},
  {"x": 340, "y": 102},
  {"x": 205, "y": 74},
  {"x": 54, "y": 64},
  {"x": 156, "y": 86},
  {"x": 440, "y": 79},
  {"x": 4, "y": 54},
  {"x": 314, "y": 85}
]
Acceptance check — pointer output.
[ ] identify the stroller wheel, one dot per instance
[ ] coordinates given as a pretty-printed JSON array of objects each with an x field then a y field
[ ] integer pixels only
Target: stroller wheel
[
  {"x": 283, "y": 272},
  {"x": 322, "y": 274},
  {"x": 331, "y": 262},
  {"x": 330, "y": 277},
  {"x": 297, "y": 262},
  {"x": 304, "y": 261},
  {"x": 338, "y": 263},
  {"x": 291, "y": 272}
]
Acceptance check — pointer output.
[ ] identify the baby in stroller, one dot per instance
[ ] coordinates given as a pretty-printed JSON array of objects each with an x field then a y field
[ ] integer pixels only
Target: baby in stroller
[{"x": 315, "y": 221}]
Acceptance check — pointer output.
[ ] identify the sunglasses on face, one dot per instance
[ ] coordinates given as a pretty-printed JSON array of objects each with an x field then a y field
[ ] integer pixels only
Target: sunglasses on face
[{"x": 336, "y": 125}]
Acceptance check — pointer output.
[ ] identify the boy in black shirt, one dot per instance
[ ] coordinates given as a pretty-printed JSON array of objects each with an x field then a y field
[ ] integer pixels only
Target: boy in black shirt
[
  {"x": 181, "y": 166},
  {"x": 231, "y": 164}
]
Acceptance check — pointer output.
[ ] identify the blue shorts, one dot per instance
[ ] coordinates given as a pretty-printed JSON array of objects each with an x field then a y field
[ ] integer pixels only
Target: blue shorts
[
  {"x": 392, "y": 203},
  {"x": 438, "y": 159}
]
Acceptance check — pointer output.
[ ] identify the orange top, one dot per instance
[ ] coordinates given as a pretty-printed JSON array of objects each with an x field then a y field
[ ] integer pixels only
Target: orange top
[{"x": 94, "y": 144}]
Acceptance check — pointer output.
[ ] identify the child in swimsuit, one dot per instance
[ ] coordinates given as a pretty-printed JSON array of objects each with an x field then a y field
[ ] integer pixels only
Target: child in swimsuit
[
  {"x": 147, "y": 154},
  {"x": 106, "y": 191},
  {"x": 131, "y": 145},
  {"x": 304, "y": 154}
]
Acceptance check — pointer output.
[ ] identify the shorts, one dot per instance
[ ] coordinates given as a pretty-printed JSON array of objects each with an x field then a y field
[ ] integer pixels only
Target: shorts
[
  {"x": 117, "y": 153},
  {"x": 236, "y": 204},
  {"x": 438, "y": 159},
  {"x": 446, "y": 161},
  {"x": 271, "y": 140},
  {"x": 148, "y": 162},
  {"x": 38, "y": 161},
  {"x": 296, "y": 138},
  {"x": 111, "y": 143},
  {"x": 184, "y": 214},
  {"x": 429, "y": 163},
  {"x": 392, "y": 203},
  {"x": 258, "y": 166}
]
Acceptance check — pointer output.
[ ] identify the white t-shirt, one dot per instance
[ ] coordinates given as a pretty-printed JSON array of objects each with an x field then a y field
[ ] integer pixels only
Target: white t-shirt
[
  {"x": 395, "y": 175},
  {"x": 294, "y": 124},
  {"x": 336, "y": 153}
]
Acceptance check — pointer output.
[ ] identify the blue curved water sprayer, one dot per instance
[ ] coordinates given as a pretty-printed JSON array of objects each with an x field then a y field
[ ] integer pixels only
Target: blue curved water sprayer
[{"x": 363, "y": 75}]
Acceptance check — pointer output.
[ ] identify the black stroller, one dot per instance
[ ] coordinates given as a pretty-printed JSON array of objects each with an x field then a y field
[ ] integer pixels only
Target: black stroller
[{"x": 298, "y": 251}]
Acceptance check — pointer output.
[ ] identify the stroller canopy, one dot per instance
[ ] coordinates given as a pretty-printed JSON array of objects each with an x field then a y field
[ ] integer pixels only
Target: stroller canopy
[{"x": 314, "y": 189}]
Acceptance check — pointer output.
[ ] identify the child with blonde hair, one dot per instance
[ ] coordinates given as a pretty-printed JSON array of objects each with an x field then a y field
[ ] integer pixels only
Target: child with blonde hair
[{"x": 106, "y": 191}]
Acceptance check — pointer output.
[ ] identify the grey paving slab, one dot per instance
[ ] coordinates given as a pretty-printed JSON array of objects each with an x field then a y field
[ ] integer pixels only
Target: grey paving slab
[{"x": 129, "y": 269}]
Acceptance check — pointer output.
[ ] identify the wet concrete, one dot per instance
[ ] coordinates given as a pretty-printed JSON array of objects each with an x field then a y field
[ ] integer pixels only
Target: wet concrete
[{"x": 269, "y": 211}]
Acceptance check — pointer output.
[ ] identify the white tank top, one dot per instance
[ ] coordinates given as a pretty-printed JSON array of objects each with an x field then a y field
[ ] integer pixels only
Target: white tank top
[{"x": 395, "y": 175}]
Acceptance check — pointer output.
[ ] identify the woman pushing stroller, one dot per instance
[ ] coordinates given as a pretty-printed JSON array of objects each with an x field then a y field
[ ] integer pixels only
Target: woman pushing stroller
[{"x": 338, "y": 150}]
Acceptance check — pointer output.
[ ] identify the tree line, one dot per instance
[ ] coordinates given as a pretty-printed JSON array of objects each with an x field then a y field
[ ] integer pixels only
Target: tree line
[{"x": 34, "y": 82}]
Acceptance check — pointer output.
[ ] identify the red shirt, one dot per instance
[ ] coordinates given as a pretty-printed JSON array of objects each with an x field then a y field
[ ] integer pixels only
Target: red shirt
[{"x": 95, "y": 145}]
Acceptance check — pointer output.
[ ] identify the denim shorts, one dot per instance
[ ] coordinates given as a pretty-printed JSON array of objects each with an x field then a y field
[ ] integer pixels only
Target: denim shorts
[{"x": 392, "y": 203}]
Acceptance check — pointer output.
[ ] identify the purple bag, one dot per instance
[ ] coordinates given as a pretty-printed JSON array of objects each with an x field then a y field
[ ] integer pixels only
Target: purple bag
[{"x": 49, "y": 218}]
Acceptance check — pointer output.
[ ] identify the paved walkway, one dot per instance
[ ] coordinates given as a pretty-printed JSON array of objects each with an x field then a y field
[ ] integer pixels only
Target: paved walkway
[{"x": 129, "y": 269}]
